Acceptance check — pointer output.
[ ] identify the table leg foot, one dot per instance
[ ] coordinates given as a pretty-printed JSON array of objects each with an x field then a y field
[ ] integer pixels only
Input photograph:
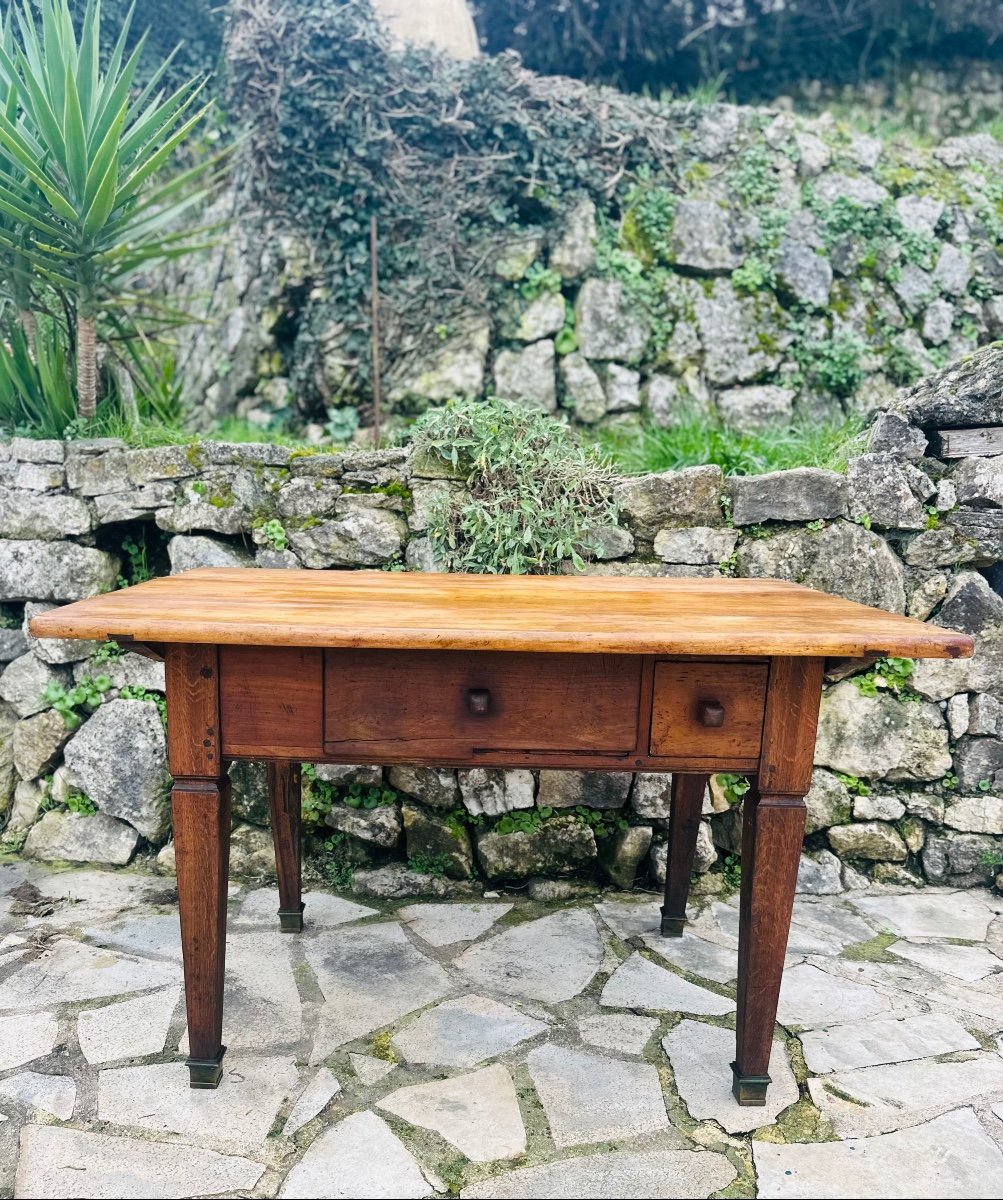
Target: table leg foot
[
  {"x": 284, "y": 802},
  {"x": 205, "y": 1073},
  {"x": 291, "y": 921},
  {"x": 749, "y": 1090},
  {"x": 672, "y": 926},
  {"x": 684, "y": 825}
]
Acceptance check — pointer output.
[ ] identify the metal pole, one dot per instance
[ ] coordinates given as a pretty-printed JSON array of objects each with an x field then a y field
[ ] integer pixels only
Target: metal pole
[{"x": 375, "y": 304}]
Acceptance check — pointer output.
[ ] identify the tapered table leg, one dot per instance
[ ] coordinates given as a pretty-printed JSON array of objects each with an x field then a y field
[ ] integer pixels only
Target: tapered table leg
[
  {"x": 201, "y": 810},
  {"x": 284, "y": 800},
  {"x": 200, "y": 801},
  {"x": 772, "y": 834},
  {"x": 684, "y": 825}
]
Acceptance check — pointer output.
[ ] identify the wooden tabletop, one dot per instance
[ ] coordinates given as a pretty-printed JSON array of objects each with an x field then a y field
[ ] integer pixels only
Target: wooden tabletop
[{"x": 497, "y": 612}]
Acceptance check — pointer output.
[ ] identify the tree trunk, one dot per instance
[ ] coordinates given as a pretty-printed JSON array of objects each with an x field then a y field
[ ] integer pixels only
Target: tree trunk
[{"x": 87, "y": 374}]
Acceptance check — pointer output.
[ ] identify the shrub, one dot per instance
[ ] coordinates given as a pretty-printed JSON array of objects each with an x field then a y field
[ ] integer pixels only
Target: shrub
[{"x": 536, "y": 496}]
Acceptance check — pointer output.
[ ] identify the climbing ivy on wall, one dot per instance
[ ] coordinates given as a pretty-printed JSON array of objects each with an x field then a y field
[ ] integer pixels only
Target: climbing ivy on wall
[{"x": 452, "y": 158}]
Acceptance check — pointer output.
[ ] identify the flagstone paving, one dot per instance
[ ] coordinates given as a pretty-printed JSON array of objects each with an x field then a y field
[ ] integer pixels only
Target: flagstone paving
[{"x": 504, "y": 1048}]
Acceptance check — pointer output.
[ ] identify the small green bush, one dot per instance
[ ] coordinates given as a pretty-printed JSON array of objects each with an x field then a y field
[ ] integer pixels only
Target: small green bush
[{"x": 536, "y": 495}]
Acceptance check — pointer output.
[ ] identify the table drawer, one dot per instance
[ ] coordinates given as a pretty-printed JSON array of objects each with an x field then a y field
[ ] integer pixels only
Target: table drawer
[
  {"x": 392, "y": 702},
  {"x": 711, "y": 710}
]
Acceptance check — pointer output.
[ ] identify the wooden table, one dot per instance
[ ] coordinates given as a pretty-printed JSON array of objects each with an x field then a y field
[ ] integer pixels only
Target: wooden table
[{"x": 690, "y": 676}]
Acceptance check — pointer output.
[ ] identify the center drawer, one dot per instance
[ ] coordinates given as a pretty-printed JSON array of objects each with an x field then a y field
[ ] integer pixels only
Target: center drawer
[{"x": 385, "y": 702}]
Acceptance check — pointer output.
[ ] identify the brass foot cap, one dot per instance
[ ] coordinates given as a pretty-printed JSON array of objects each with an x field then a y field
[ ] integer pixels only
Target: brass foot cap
[
  {"x": 673, "y": 926},
  {"x": 291, "y": 920},
  {"x": 749, "y": 1090},
  {"x": 205, "y": 1073}
]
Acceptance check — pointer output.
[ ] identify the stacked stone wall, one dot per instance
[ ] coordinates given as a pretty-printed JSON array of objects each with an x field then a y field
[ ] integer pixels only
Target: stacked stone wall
[{"x": 908, "y": 784}]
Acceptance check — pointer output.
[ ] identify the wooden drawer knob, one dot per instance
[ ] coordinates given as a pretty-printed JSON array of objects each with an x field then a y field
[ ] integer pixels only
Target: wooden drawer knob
[
  {"x": 711, "y": 714},
  {"x": 479, "y": 701}
]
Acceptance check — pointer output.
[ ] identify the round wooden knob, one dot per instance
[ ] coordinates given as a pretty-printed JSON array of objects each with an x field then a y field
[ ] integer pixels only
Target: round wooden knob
[
  {"x": 711, "y": 714},
  {"x": 479, "y": 701}
]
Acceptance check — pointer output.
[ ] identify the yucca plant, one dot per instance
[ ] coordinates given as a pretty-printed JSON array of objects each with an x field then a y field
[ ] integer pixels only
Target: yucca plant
[
  {"x": 89, "y": 145},
  {"x": 36, "y": 395},
  {"x": 17, "y": 284}
]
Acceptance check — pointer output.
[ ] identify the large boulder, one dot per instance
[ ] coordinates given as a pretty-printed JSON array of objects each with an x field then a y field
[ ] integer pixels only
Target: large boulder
[
  {"x": 609, "y": 324},
  {"x": 743, "y": 336},
  {"x": 379, "y": 826},
  {"x": 24, "y": 681},
  {"x": 594, "y": 789},
  {"x": 527, "y": 375},
  {"x": 432, "y": 786},
  {"x": 559, "y": 846},
  {"x": 671, "y": 499},
  {"x": 362, "y": 537},
  {"x": 941, "y": 678},
  {"x": 843, "y": 559},
  {"x": 118, "y": 757},
  {"x": 802, "y": 494},
  {"x": 26, "y": 514},
  {"x": 705, "y": 237},
  {"x": 873, "y": 840},
  {"x": 37, "y": 741},
  {"x": 488, "y": 791},
  {"x": 189, "y": 551},
  {"x": 54, "y": 570},
  {"x": 968, "y": 392},
  {"x": 881, "y": 737},
  {"x": 72, "y": 837},
  {"x": 885, "y": 490},
  {"x": 432, "y": 837}
]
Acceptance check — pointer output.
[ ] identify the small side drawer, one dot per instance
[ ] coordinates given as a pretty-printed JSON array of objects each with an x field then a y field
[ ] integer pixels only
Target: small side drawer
[
  {"x": 394, "y": 703},
  {"x": 711, "y": 710}
]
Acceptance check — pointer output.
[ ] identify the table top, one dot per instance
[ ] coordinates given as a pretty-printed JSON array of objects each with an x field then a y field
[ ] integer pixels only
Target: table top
[{"x": 552, "y": 613}]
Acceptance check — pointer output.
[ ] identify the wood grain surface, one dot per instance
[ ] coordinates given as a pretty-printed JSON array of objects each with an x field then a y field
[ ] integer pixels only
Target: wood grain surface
[
  {"x": 681, "y": 687},
  {"x": 271, "y": 701},
  {"x": 491, "y": 612},
  {"x": 419, "y": 701}
]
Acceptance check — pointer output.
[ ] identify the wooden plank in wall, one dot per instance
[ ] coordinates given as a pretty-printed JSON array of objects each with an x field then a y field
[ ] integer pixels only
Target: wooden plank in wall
[{"x": 967, "y": 443}]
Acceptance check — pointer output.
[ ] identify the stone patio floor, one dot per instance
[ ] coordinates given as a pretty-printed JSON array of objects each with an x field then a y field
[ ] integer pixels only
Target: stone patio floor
[{"x": 499, "y": 1048}]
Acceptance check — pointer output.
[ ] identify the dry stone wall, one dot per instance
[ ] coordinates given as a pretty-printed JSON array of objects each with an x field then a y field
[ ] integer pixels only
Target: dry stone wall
[
  {"x": 908, "y": 785},
  {"x": 745, "y": 261}
]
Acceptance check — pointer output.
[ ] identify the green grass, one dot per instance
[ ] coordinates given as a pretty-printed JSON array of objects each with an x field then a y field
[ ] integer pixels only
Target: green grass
[
  {"x": 697, "y": 440},
  {"x": 148, "y": 433}
]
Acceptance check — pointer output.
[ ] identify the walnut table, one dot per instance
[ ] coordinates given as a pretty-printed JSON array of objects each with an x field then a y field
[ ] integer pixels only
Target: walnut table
[{"x": 691, "y": 676}]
